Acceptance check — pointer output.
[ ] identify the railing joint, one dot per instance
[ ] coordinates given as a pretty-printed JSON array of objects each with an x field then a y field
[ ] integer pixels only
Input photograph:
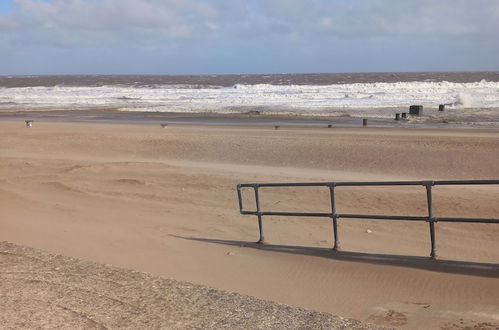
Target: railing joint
[{"x": 428, "y": 183}]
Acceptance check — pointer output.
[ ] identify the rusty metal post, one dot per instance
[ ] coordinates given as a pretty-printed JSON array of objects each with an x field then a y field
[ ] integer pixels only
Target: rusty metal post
[
  {"x": 431, "y": 220},
  {"x": 259, "y": 214},
  {"x": 336, "y": 246}
]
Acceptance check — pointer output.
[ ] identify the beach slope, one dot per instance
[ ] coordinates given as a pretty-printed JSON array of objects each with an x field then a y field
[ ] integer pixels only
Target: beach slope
[{"x": 163, "y": 201}]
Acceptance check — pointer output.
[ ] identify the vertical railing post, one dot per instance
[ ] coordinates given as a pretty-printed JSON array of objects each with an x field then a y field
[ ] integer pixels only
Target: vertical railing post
[
  {"x": 431, "y": 219},
  {"x": 336, "y": 246},
  {"x": 259, "y": 214},
  {"x": 240, "y": 198}
]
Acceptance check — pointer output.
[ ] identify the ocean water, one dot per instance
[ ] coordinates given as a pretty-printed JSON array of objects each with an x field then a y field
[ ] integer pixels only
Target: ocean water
[{"x": 471, "y": 98}]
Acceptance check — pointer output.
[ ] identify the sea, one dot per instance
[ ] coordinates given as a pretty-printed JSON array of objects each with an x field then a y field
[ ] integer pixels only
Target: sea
[{"x": 469, "y": 99}]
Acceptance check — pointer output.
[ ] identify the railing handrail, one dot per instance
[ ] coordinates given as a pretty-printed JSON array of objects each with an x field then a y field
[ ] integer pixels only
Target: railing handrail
[
  {"x": 432, "y": 220},
  {"x": 371, "y": 183}
]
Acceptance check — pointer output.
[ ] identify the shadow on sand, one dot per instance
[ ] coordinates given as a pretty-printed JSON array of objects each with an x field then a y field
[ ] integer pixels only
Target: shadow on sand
[{"x": 425, "y": 263}]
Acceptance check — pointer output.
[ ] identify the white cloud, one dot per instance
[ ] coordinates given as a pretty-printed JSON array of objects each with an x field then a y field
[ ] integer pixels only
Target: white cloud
[
  {"x": 214, "y": 27},
  {"x": 412, "y": 18},
  {"x": 184, "y": 19}
]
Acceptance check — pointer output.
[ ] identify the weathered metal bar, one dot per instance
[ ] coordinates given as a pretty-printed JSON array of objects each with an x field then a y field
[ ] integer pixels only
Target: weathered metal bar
[
  {"x": 433, "y": 252},
  {"x": 297, "y": 214},
  {"x": 380, "y": 183},
  {"x": 249, "y": 212},
  {"x": 326, "y": 184},
  {"x": 382, "y": 217},
  {"x": 373, "y": 183},
  {"x": 374, "y": 217},
  {"x": 338, "y": 215},
  {"x": 475, "y": 220},
  {"x": 296, "y": 184},
  {"x": 464, "y": 182},
  {"x": 336, "y": 246},
  {"x": 259, "y": 214}
]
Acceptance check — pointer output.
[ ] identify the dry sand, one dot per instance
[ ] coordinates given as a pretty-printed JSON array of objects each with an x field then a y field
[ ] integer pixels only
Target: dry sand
[
  {"x": 42, "y": 290},
  {"x": 163, "y": 201}
]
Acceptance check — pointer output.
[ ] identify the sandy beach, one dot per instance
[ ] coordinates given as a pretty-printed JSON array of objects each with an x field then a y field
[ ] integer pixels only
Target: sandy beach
[
  {"x": 163, "y": 201},
  {"x": 43, "y": 290}
]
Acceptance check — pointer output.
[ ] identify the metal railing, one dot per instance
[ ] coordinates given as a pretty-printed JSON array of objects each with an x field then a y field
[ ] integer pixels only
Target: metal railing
[{"x": 432, "y": 220}]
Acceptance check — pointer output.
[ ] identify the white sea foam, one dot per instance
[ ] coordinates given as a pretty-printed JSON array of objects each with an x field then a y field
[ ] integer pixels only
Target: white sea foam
[
  {"x": 464, "y": 100},
  {"x": 360, "y": 99}
]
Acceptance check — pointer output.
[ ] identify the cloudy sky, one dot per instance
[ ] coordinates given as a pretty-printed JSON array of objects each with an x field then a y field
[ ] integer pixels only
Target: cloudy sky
[{"x": 247, "y": 36}]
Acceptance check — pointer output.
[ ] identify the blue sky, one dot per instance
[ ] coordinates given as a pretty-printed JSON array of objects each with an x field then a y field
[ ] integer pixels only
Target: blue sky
[
  {"x": 5, "y": 6},
  {"x": 247, "y": 36}
]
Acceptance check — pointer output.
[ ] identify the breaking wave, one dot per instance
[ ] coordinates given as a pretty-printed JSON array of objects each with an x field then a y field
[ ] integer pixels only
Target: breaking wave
[{"x": 350, "y": 98}]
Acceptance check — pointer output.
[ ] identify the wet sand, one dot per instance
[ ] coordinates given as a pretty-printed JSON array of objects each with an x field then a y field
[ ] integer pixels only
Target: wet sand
[
  {"x": 433, "y": 119},
  {"x": 163, "y": 201}
]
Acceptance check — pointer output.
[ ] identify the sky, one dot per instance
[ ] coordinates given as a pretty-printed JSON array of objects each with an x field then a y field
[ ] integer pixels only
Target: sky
[{"x": 247, "y": 36}]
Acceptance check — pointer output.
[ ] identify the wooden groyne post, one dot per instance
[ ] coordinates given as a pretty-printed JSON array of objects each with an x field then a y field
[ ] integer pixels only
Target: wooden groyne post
[{"x": 416, "y": 110}]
